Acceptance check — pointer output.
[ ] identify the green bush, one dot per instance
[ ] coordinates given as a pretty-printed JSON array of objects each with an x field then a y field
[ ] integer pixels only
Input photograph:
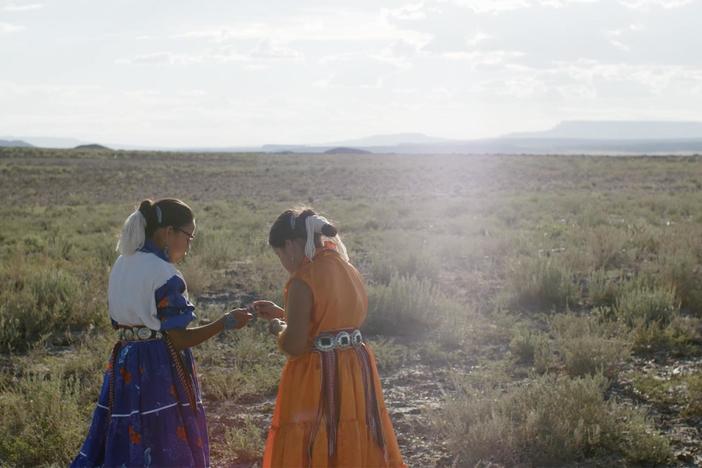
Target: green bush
[
  {"x": 407, "y": 306},
  {"x": 641, "y": 304},
  {"x": 681, "y": 336},
  {"x": 541, "y": 283},
  {"x": 550, "y": 420},
  {"x": 410, "y": 261},
  {"x": 588, "y": 346},
  {"x": 37, "y": 302},
  {"x": 245, "y": 441},
  {"x": 41, "y": 420},
  {"x": 531, "y": 348},
  {"x": 682, "y": 273},
  {"x": 602, "y": 288}
]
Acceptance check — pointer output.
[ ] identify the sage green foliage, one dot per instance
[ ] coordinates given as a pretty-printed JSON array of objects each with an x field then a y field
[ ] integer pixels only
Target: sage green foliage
[{"x": 569, "y": 263}]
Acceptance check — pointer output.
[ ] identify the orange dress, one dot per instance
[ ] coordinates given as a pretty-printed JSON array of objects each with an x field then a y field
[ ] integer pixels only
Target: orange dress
[{"x": 296, "y": 438}]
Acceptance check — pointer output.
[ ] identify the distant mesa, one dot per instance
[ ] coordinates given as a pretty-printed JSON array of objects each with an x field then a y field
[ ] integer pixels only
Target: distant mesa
[
  {"x": 345, "y": 150},
  {"x": 93, "y": 146},
  {"x": 621, "y": 130},
  {"x": 14, "y": 144}
]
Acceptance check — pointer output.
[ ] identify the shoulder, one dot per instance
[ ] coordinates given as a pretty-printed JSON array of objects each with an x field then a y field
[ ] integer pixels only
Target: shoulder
[{"x": 145, "y": 265}]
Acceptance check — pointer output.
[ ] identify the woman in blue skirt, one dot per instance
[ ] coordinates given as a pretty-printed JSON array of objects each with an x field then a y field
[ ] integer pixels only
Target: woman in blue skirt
[{"x": 149, "y": 412}]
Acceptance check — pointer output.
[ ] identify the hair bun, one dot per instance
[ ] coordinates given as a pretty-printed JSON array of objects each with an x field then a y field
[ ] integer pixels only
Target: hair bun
[
  {"x": 329, "y": 230},
  {"x": 146, "y": 207}
]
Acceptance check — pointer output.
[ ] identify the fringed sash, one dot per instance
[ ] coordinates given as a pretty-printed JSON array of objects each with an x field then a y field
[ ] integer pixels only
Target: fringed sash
[{"x": 329, "y": 407}]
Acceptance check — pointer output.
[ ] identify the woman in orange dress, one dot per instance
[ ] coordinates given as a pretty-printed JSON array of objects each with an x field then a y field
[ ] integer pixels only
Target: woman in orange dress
[{"x": 330, "y": 409}]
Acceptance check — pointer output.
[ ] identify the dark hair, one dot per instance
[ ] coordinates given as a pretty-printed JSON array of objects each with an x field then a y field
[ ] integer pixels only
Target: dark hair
[
  {"x": 165, "y": 212},
  {"x": 283, "y": 230}
]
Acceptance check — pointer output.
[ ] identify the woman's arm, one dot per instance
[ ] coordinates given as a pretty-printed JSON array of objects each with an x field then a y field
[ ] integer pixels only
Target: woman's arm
[
  {"x": 188, "y": 337},
  {"x": 293, "y": 340}
]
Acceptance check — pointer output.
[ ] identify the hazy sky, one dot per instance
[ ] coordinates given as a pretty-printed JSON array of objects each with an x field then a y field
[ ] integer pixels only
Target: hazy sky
[{"x": 227, "y": 72}]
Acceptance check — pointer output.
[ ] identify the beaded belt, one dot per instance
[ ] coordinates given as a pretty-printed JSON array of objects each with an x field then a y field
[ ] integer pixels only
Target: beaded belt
[
  {"x": 138, "y": 334},
  {"x": 326, "y": 345}
]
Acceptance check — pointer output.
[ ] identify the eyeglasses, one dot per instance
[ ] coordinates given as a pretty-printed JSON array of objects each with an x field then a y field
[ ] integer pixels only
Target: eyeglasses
[{"x": 190, "y": 235}]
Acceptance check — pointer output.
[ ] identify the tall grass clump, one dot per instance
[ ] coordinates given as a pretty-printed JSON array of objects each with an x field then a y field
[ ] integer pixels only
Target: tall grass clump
[
  {"x": 404, "y": 262},
  {"x": 602, "y": 288},
  {"x": 42, "y": 420},
  {"x": 589, "y": 346},
  {"x": 407, "y": 306},
  {"x": 215, "y": 248},
  {"x": 541, "y": 283},
  {"x": 531, "y": 347},
  {"x": 245, "y": 441},
  {"x": 681, "y": 271},
  {"x": 606, "y": 245},
  {"x": 240, "y": 365},
  {"x": 653, "y": 315},
  {"x": 38, "y": 302},
  {"x": 548, "y": 421},
  {"x": 641, "y": 304}
]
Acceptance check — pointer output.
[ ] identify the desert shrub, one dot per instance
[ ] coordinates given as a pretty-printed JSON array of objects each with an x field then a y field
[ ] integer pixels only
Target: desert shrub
[
  {"x": 681, "y": 336},
  {"x": 42, "y": 420},
  {"x": 541, "y": 283},
  {"x": 244, "y": 441},
  {"x": 38, "y": 302},
  {"x": 589, "y": 346},
  {"x": 694, "y": 389},
  {"x": 602, "y": 288},
  {"x": 550, "y": 420},
  {"x": 238, "y": 381},
  {"x": 410, "y": 261},
  {"x": 681, "y": 272},
  {"x": 239, "y": 365},
  {"x": 532, "y": 348},
  {"x": 606, "y": 245},
  {"x": 388, "y": 353},
  {"x": 407, "y": 306},
  {"x": 215, "y": 249},
  {"x": 643, "y": 304}
]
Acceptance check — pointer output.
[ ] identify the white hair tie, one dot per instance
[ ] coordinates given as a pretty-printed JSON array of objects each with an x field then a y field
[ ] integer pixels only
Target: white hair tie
[
  {"x": 313, "y": 225},
  {"x": 133, "y": 234}
]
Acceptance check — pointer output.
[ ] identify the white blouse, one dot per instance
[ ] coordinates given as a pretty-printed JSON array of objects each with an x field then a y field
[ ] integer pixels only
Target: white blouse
[{"x": 131, "y": 293}]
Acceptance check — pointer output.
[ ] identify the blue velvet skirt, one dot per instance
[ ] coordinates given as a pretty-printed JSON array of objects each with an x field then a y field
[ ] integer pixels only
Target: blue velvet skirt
[{"x": 152, "y": 421}]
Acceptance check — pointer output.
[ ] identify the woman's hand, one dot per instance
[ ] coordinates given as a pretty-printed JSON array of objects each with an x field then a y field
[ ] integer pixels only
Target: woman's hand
[
  {"x": 188, "y": 337},
  {"x": 268, "y": 310},
  {"x": 276, "y": 326},
  {"x": 238, "y": 318}
]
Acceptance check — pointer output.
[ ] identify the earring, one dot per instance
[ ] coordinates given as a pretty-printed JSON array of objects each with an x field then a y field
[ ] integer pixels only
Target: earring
[{"x": 165, "y": 251}]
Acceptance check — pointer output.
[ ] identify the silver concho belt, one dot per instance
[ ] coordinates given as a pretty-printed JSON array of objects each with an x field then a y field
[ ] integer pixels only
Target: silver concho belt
[
  {"x": 138, "y": 334},
  {"x": 343, "y": 339}
]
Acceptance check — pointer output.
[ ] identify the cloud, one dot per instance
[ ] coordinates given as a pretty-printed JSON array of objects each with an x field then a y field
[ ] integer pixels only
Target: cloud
[
  {"x": 264, "y": 51},
  {"x": 337, "y": 80},
  {"x": 324, "y": 26},
  {"x": 616, "y": 36},
  {"x": 160, "y": 58},
  {"x": 273, "y": 50},
  {"x": 7, "y": 28},
  {"x": 648, "y": 4},
  {"x": 409, "y": 12},
  {"x": 489, "y": 6},
  {"x": 16, "y": 7},
  {"x": 499, "y": 6},
  {"x": 477, "y": 58}
]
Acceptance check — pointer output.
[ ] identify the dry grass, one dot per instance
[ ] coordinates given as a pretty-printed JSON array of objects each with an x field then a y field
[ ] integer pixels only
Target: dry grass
[{"x": 456, "y": 251}]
